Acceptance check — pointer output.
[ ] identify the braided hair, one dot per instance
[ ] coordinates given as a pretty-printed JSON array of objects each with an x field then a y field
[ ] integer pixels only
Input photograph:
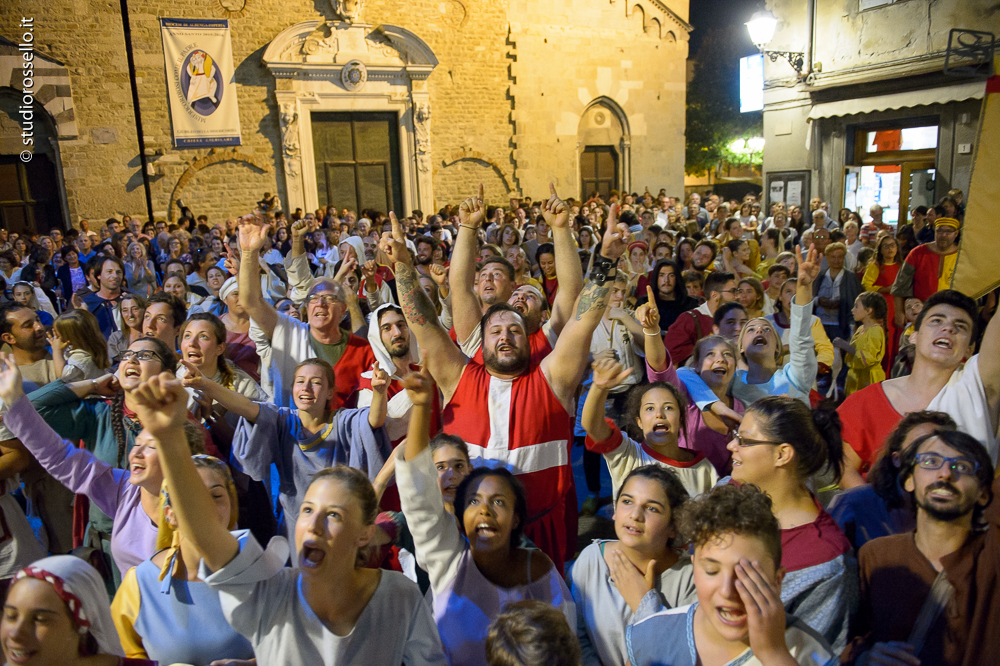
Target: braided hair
[{"x": 168, "y": 360}]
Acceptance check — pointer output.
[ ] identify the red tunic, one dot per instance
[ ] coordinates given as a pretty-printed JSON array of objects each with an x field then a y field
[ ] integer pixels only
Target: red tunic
[
  {"x": 520, "y": 425},
  {"x": 242, "y": 351},
  {"x": 886, "y": 276},
  {"x": 537, "y": 341},
  {"x": 357, "y": 357},
  {"x": 684, "y": 333},
  {"x": 926, "y": 267},
  {"x": 867, "y": 418}
]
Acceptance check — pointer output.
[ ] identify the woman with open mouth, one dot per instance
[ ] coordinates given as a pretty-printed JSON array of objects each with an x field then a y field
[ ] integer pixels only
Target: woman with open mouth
[
  {"x": 653, "y": 421},
  {"x": 129, "y": 497},
  {"x": 475, "y": 564},
  {"x": 110, "y": 431},
  {"x": 738, "y": 617},
  {"x": 714, "y": 361},
  {"x": 305, "y": 440},
  {"x": 760, "y": 346},
  {"x": 783, "y": 448},
  {"x": 56, "y": 614},
  {"x": 328, "y": 610},
  {"x": 611, "y": 578}
]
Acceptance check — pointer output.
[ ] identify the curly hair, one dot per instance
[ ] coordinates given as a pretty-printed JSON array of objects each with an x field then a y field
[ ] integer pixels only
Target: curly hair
[
  {"x": 466, "y": 488},
  {"x": 633, "y": 402},
  {"x": 731, "y": 509},
  {"x": 531, "y": 633}
]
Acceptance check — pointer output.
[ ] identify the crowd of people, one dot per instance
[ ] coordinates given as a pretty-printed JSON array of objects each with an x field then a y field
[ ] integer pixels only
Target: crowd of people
[{"x": 340, "y": 437}]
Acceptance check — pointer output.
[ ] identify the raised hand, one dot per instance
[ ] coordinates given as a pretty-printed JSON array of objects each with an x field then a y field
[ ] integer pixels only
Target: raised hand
[
  {"x": 346, "y": 268},
  {"x": 300, "y": 228},
  {"x": 631, "y": 583},
  {"x": 107, "y": 386},
  {"x": 232, "y": 264},
  {"x": 765, "y": 613},
  {"x": 419, "y": 385},
  {"x": 56, "y": 340},
  {"x": 555, "y": 211},
  {"x": 193, "y": 378},
  {"x": 11, "y": 389},
  {"x": 613, "y": 244},
  {"x": 161, "y": 404},
  {"x": 608, "y": 373},
  {"x": 380, "y": 379},
  {"x": 440, "y": 275},
  {"x": 397, "y": 228},
  {"x": 647, "y": 314},
  {"x": 395, "y": 249},
  {"x": 472, "y": 211},
  {"x": 253, "y": 231},
  {"x": 368, "y": 270},
  {"x": 809, "y": 266}
]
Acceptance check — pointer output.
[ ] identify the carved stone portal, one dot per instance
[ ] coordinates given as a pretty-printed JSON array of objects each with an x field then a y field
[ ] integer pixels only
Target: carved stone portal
[{"x": 345, "y": 66}]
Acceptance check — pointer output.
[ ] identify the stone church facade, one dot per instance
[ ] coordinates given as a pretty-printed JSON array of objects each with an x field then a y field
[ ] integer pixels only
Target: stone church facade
[{"x": 373, "y": 103}]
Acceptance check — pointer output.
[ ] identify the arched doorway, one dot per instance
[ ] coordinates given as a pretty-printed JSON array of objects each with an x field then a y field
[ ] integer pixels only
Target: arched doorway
[
  {"x": 30, "y": 196},
  {"x": 603, "y": 142}
]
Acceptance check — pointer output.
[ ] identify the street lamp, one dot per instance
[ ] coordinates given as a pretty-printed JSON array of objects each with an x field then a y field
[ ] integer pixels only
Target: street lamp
[{"x": 761, "y": 28}]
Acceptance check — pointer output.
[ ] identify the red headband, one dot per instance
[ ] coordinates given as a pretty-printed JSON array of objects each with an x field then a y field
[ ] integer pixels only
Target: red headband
[{"x": 70, "y": 599}]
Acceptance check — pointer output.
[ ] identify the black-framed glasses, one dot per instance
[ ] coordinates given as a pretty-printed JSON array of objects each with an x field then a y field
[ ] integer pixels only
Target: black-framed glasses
[
  {"x": 744, "y": 442},
  {"x": 141, "y": 355},
  {"x": 935, "y": 461}
]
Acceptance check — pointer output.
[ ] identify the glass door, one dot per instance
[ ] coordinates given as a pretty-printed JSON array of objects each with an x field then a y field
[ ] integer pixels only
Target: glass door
[{"x": 919, "y": 189}]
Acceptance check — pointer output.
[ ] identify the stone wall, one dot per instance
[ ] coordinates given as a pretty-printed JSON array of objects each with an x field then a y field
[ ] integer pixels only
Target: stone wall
[{"x": 513, "y": 79}]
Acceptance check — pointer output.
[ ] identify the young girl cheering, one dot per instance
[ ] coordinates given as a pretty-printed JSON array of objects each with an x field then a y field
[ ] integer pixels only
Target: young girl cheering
[
  {"x": 654, "y": 419},
  {"x": 303, "y": 441},
  {"x": 610, "y": 578},
  {"x": 475, "y": 563},
  {"x": 866, "y": 349}
]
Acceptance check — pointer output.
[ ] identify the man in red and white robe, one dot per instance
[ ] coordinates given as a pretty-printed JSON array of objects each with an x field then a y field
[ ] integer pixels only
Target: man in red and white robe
[{"x": 511, "y": 413}]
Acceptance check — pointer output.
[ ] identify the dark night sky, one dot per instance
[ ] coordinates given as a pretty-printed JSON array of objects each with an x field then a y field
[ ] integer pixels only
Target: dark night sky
[{"x": 727, "y": 14}]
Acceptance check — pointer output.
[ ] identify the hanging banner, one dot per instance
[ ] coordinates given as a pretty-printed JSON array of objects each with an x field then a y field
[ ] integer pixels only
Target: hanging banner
[{"x": 198, "y": 55}]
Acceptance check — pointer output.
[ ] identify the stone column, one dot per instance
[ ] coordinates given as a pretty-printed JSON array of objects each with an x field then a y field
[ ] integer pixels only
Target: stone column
[
  {"x": 291, "y": 153},
  {"x": 421, "y": 110}
]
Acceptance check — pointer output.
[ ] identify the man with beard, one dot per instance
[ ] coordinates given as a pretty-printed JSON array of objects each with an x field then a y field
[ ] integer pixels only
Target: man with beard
[
  {"x": 50, "y": 500},
  {"x": 425, "y": 254},
  {"x": 510, "y": 413},
  {"x": 931, "y": 596},
  {"x": 943, "y": 338},
  {"x": 103, "y": 304},
  {"x": 288, "y": 341},
  {"x": 496, "y": 281},
  {"x": 397, "y": 353},
  {"x": 927, "y": 268}
]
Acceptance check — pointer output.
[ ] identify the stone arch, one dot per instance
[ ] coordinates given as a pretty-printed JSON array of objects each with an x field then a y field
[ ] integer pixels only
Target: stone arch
[
  {"x": 638, "y": 15},
  {"x": 604, "y": 123},
  {"x": 654, "y": 28},
  {"x": 214, "y": 157},
  {"x": 51, "y": 86},
  {"x": 469, "y": 155},
  {"x": 671, "y": 37}
]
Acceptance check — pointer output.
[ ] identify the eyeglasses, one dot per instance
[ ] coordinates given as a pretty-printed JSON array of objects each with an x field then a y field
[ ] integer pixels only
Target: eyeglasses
[
  {"x": 935, "y": 461},
  {"x": 143, "y": 355},
  {"x": 322, "y": 299},
  {"x": 745, "y": 442}
]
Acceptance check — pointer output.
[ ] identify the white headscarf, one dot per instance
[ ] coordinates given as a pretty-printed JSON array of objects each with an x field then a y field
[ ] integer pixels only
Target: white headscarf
[
  {"x": 358, "y": 245},
  {"x": 80, "y": 586},
  {"x": 378, "y": 347}
]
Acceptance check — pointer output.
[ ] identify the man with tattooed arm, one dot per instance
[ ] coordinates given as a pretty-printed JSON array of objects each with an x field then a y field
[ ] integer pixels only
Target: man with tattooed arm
[{"x": 510, "y": 413}]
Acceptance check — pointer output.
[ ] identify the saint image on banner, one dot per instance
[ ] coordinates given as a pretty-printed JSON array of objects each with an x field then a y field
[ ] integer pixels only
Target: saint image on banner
[{"x": 201, "y": 81}]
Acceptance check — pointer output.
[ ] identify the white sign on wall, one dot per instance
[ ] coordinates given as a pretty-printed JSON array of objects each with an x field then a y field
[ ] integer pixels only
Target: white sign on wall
[
  {"x": 752, "y": 83},
  {"x": 201, "y": 82}
]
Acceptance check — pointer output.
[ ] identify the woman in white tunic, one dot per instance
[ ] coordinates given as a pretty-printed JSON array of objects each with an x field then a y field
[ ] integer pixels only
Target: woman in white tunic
[{"x": 329, "y": 610}]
